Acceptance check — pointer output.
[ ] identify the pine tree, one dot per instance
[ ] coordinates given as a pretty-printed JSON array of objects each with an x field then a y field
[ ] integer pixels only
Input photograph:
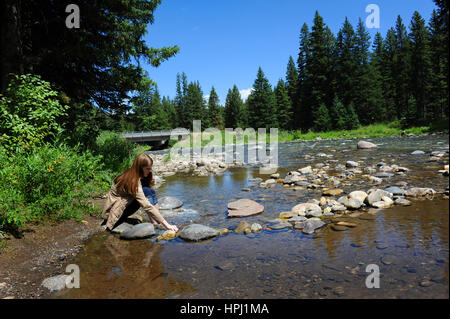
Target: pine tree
[
  {"x": 322, "y": 120},
  {"x": 233, "y": 108},
  {"x": 319, "y": 82},
  {"x": 261, "y": 104},
  {"x": 302, "y": 108},
  {"x": 346, "y": 63},
  {"x": 420, "y": 64},
  {"x": 283, "y": 105},
  {"x": 215, "y": 119},
  {"x": 338, "y": 114},
  {"x": 291, "y": 85},
  {"x": 376, "y": 100},
  {"x": 438, "y": 86},
  {"x": 401, "y": 68},
  {"x": 364, "y": 81},
  {"x": 169, "y": 108},
  {"x": 195, "y": 105},
  {"x": 389, "y": 76}
]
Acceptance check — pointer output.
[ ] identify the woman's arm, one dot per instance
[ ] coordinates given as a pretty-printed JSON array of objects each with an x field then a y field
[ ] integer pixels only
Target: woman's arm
[{"x": 152, "y": 210}]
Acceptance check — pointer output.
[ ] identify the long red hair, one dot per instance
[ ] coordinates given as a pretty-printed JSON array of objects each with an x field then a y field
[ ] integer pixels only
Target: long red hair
[{"x": 128, "y": 180}]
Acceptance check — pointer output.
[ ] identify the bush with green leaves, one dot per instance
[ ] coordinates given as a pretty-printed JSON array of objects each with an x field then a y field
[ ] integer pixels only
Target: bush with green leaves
[
  {"x": 117, "y": 153},
  {"x": 29, "y": 109},
  {"x": 53, "y": 182}
]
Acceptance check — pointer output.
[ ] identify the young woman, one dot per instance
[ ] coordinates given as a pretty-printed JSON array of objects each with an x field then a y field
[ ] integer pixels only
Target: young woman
[{"x": 128, "y": 194}]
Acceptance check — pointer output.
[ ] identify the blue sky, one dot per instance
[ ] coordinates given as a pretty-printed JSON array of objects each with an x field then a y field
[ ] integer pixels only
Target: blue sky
[{"x": 223, "y": 42}]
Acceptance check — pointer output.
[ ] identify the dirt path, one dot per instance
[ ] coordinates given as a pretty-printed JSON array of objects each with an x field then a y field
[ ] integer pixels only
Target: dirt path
[{"x": 41, "y": 252}]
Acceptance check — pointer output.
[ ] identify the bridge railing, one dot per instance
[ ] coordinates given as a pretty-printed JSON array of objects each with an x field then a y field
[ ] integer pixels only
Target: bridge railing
[{"x": 152, "y": 133}]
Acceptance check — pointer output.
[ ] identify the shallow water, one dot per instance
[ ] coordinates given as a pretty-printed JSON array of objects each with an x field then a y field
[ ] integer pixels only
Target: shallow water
[{"x": 408, "y": 244}]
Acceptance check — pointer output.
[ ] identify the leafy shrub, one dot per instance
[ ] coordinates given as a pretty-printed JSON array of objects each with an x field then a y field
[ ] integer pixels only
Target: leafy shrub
[
  {"x": 117, "y": 153},
  {"x": 52, "y": 182},
  {"x": 28, "y": 112}
]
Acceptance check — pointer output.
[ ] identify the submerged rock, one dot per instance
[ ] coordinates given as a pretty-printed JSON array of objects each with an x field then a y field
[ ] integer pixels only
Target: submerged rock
[
  {"x": 419, "y": 192},
  {"x": 168, "y": 202},
  {"x": 311, "y": 225}
]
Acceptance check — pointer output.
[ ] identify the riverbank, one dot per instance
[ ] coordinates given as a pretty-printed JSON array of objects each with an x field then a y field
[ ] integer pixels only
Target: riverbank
[{"x": 243, "y": 136}]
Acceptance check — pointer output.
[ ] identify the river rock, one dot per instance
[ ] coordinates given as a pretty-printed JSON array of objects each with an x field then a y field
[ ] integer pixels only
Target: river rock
[
  {"x": 56, "y": 283},
  {"x": 278, "y": 224},
  {"x": 311, "y": 225},
  {"x": 338, "y": 227},
  {"x": 139, "y": 231},
  {"x": 418, "y": 153},
  {"x": 287, "y": 215},
  {"x": 197, "y": 232},
  {"x": 256, "y": 227},
  {"x": 346, "y": 224},
  {"x": 419, "y": 192},
  {"x": 244, "y": 207},
  {"x": 297, "y": 219},
  {"x": 375, "y": 196},
  {"x": 121, "y": 228},
  {"x": 338, "y": 208},
  {"x": 243, "y": 227},
  {"x": 387, "y": 200},
  {"x": 396, "y": 191},
  {"x": 351, "y": 164},
  {"x": 167, "y": 202},
  {"x": 402, "y": 202},
  {"x": 302, "y": 208},
  {"x": 383, "y": 175},
  {"x": 353, "y": 203},
  {"x": 380, "y": 204},
  {"x": 365, "y": 145},
  {"x": 305, "y": 170},
  {"x": 359, "y": 195},
  {"x": 333, "y": 192}
]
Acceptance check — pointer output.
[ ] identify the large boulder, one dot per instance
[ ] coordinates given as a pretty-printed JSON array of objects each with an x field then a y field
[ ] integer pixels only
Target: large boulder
[
  {"x": 168, "y": 202},
  {"x": 244, "y": 207},
  {"x": 197, "y": 232},
  {"x": 362, "y": 145}
]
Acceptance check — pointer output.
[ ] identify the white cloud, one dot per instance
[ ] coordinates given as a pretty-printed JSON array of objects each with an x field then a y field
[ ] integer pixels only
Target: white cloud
[{"x": 245, "y": 93}]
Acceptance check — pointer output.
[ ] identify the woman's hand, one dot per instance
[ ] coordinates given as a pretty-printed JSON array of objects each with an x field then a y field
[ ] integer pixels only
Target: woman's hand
[
  {"x": 152, "y": 182},
  {"x": 172, "y": 227}
]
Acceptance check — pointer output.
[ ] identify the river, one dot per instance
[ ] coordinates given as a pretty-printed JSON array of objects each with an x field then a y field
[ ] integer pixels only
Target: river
[{"x": 408, "y": 245}]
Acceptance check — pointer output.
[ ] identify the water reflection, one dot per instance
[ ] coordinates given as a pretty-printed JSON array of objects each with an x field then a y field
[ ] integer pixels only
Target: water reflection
[{"x": 113, "y": 268}]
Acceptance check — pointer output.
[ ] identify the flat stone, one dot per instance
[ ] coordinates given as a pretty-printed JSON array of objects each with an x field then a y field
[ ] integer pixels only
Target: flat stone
[
  {"x": 338, "y": 228},
  {"x": 402, "y": 202},
  {"x": 139, "y": 231},
  {"x": 425, "y": 283},
  {"x": 303, "y": 207},
  {"x": 333, "y": 192},
  {"x": 244, "y": 207},
  {"x": 287, "y": 215},
  {"x": 197, "y": 232},
  {"x": 279, "y": 224},
  {"x": 346, "y": 224},
  {"x": 167, "y": 202},
  {"x": 297, "y": 219},
  {"x": 380, "y": 204},
  {"x": 418, "y": 153}
]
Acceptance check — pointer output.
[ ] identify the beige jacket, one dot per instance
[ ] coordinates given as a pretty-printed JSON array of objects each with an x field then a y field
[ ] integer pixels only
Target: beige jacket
[{"x": 117, "y": 201}]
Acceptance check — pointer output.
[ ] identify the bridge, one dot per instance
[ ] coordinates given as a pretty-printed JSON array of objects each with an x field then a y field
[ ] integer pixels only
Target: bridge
[{"x": 155, "y": 138}]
